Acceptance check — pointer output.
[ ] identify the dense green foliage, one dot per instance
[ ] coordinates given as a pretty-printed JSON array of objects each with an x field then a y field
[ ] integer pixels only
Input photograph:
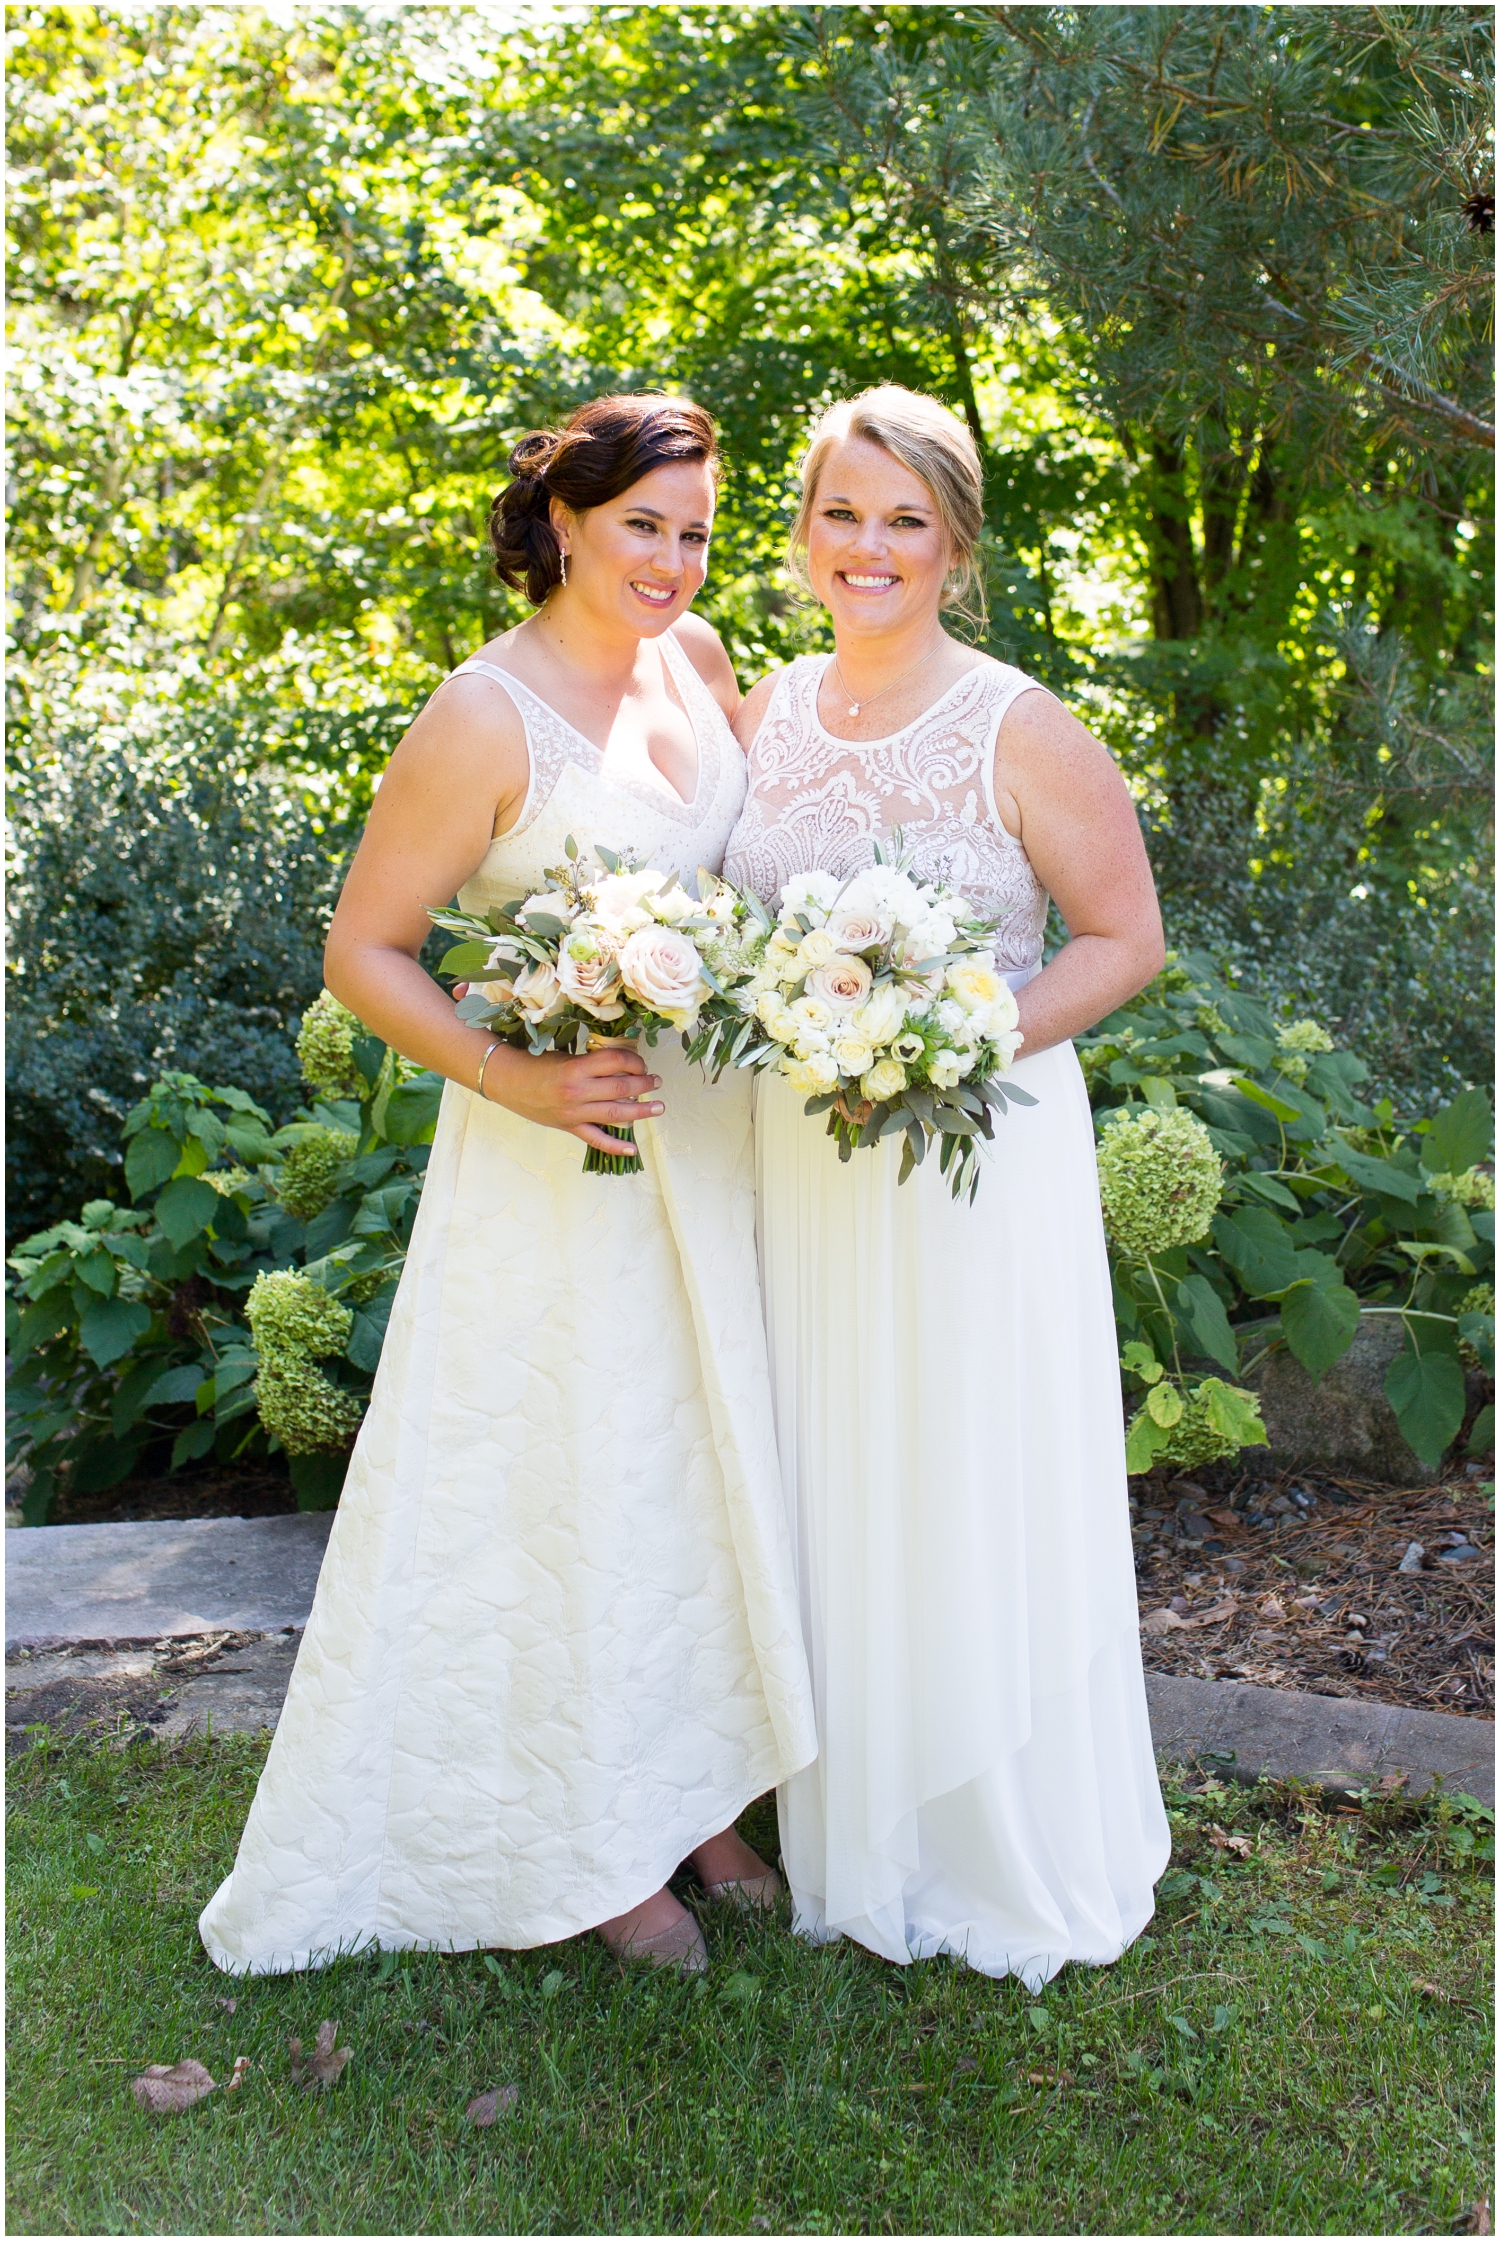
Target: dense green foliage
[
  {"x": 1209, "y": 283},
  {"x": 1264, "y": 1205},
  {"x": 133, "y": 1332},
  {"x": 1300, "y": 2045}
]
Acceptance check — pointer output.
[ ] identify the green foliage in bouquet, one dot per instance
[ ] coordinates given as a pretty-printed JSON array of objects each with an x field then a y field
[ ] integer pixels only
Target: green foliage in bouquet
[
  {"x": 1324, "y": 1211},
  {"x": 238, "y": 1306}
]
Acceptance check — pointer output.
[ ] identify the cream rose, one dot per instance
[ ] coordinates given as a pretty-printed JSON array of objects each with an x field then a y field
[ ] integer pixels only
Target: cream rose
[
  {"x": 588, "y": 972},
  {"x": 815, "y": 949},
  {"x": 853, "y": 1055},
  {"x": 551, "y": 904},
  {"x": 974, "y": 985},
  {"x": 884, "y": 1079},
  {"x": 619, "y": 902},
  {"x": 1004, "y": 1015},
  {"x": 538, "y": 992},
  {"x": 883, "y": 1016},
  {"x": 813, "y": 1076},
  {"x": 944, "y": 1069},
  {"x": 662, "y": 970},
  {"x": 859, "y": 929},
  {"x": 842, "y": 984},
  {"x": 810, "y": 1014},
  {"x": 672, "y": 904}
]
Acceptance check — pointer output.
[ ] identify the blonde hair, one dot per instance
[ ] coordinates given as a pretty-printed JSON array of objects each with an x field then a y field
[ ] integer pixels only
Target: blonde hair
[{"x": 936, "y": 447}]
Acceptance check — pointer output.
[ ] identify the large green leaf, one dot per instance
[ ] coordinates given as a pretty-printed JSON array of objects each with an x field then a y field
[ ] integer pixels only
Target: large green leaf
[
  {"x": 1202, "y": 1310},
  {"x": 112, "y": 1328},
  {"x": 1461, "y": 1135},
  {"x": 152, "y": 1157},
  {"x": 1258, "y": 1247},
  {"x": 1233, "y": 1412},
  {"x": 185, "y": 1209},
  {"x": 174, "y": 1386},
  {"x": 1427, "y": 1393},
  {"x": 411, "y": 1111},
  {"x": 1381, "y": 1176},
  {"x": 1319, "y": 1322}
]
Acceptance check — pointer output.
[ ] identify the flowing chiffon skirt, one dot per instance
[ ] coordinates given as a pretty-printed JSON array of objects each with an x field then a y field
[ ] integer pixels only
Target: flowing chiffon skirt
[{"x": 949, "y": 1421}]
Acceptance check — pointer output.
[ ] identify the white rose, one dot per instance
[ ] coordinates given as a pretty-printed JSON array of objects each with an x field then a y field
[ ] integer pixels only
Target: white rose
[
  {"x": 813, "y": 1076},
  {"x": 812, "y": 893},
  {"x": 884, "y": 1079},
  {"x": 662, "y": 970},
  {"x": 842, "y": 984},
  {"x": 550, "y": 904},
  {"x": 944, "y": 1069},
  {"x": 815, "y": 949},
  {"x": 618, "y": 900},
  {"x": 859, "y": 929},
  {"x": 809, "y": 1013},
  {"x": 882, "y": 1016},
  {"x": 538, "y": 992},
  {"x": 588, "y": 972},
  {"x": 853, "y": 1055}
]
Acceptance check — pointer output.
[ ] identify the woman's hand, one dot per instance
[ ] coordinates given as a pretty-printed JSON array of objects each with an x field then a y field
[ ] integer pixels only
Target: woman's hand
[{"x": 577, "y": 1095}]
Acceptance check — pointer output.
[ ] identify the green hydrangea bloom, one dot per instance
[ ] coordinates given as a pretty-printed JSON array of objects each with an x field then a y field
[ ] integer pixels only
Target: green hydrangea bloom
[
  {"x": 1159, "y": 1180},
  {"x": 325, "y": 1048},
  {"x": 1473, "y": 1188},
  {"x": 302, "y": 1408},
  {"x": 1195, "y": 1439},
  {"x": 1304, "y": 1035},
  {"x": 308, "y": 1177},
  {"x": 290, "y": 1314},
  {"x": 227, "y": 1180}
]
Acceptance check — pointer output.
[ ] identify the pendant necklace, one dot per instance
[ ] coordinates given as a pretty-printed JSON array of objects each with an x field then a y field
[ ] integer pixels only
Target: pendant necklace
[{"x": 855, "y": 705}]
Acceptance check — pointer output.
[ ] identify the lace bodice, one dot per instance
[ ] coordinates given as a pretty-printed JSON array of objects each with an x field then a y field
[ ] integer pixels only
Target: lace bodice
[
  {"x": 571, "y": 793},
  {"x": 818, "y": 803}
]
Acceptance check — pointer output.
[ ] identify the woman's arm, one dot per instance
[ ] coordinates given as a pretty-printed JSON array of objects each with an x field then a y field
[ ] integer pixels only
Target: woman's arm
[
  {"x": 747, "y": 721},
  {"x": 1059, "y": 789},
  {"x": 460, "y": 771}
]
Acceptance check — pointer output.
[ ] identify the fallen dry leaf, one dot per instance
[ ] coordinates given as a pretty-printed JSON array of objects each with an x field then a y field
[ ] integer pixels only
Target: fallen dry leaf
[
  {"x": 1162, "y": 1622},
  {"x": 1478, "y": 2219},
  {"x": 1049, "y": 2077},
  {"x": 164, "y": 2090},
  {"x": 1216, "y": 1616},
  {"x": 1435, "y": 1992},
  {"x": 1391, "y": 1783},
  {"x": 1222, "y": 1841},
  {"x": 241, "y": 2065},
  {"x": 1271, "y": 1608},
  {"x": 324, "y": 2066},
  {"x": 228, "y": 2006},
  {"x": 1231, "y": 1521},
  {"x": 485, "y": 2108}
]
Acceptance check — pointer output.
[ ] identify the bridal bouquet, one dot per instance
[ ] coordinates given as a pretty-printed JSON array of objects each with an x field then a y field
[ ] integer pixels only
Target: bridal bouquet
[
  {"x": 880, "y": 997},
  {"x": 607, "y": 949}
]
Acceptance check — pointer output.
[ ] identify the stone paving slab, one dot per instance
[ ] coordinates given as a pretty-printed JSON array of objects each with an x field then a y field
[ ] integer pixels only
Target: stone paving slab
[
  {"x": 214, "y": 1609},
  {"x": 1339, "y": 1742},
  {"x": 147, "y": 1581}
]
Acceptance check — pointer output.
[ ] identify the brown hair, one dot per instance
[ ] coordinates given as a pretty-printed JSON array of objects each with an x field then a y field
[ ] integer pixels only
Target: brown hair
[
  {"x": 936, "y": 446},
  {"x": 607, "y": 445}
]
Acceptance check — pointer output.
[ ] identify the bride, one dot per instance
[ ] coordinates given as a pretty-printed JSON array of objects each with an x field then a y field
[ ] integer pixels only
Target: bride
[
  {"x": 555, "y": 1647},
  {"x": 945, "y": 1379}
]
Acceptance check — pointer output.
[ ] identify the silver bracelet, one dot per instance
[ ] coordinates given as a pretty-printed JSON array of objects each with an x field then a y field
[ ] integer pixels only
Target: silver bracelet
[{"x": 479, "y": 1077}]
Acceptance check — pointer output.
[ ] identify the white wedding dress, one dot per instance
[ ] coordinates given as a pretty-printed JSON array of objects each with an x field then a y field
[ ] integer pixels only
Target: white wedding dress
[
  {"x": 948, "y": 1406},
  {"x": 555, "y": 1644}
]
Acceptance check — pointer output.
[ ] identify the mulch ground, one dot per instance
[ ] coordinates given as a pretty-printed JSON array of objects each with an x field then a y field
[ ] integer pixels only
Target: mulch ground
[
  {"x": 248, "y": 1490},
  {"x": 1239, "y": 1581}
]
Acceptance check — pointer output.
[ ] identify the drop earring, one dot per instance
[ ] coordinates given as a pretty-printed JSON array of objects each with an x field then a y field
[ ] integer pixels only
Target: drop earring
[{"x": 563, "y": 563}]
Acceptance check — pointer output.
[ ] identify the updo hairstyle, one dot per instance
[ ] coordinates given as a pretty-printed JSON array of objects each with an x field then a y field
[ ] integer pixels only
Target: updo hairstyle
[
  {"x": 935, "y": 446},
  {"x": 607, "y": 445}
]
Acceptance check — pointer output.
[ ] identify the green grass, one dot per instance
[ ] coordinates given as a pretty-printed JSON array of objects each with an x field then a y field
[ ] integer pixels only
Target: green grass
[{"x": 1265, "y": 2062}]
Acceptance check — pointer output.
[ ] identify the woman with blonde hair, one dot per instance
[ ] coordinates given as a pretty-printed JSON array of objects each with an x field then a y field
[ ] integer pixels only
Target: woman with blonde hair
[{"x": 944, "y": 1375}]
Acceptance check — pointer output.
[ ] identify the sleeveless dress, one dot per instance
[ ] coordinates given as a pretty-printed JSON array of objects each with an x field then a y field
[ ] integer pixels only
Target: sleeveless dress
[
  {"x": 948, "y": 1408},
  {"x": 555, "y": 1644}
]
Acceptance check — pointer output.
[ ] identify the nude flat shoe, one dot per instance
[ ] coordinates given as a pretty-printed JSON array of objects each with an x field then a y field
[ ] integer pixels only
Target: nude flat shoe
[
  {"x": 681, "y": 1947},
  {"x": 750, "y": 1892}
]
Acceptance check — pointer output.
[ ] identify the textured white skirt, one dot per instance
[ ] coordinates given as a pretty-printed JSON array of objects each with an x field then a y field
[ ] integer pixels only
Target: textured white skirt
[
  {"x": 948, "y": 1412},
  {"x": 555, "y": 1644}
]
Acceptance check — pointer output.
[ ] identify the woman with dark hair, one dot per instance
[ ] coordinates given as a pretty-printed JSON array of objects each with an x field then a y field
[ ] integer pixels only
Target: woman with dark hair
[{"x": 555, "y": 1648}]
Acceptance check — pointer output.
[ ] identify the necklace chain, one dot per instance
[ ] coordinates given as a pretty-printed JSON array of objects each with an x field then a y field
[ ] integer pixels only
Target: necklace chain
[{"x": 856, "y": 705}]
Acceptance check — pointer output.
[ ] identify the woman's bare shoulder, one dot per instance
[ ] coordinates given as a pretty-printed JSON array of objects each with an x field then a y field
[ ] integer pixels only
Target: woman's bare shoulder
[
  {"x": 705, "y": 650},
  {"x": 752, "y": 712}
]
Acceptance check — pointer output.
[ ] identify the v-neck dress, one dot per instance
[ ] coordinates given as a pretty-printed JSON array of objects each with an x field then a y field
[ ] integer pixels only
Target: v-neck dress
[{"x": 556, "y": 1642}]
